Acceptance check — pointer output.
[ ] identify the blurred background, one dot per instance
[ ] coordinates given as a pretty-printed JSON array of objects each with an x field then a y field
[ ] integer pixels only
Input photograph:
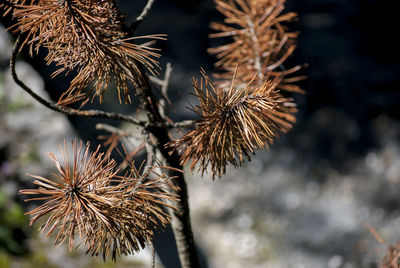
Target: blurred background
[{"x": 303, "y": 203}]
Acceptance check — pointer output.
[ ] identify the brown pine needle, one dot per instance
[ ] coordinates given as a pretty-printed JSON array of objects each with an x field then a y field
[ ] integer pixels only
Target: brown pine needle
[
  {"x": 234, "y": 123},
  {"x": 88, "y": 201},
  {"x": 259, "y": 43},
  {"x": 89, "y": 38}
]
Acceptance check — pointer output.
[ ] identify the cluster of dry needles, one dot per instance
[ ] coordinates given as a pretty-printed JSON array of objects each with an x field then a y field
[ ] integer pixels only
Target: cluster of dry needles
[{"x": 114, "y": 209}]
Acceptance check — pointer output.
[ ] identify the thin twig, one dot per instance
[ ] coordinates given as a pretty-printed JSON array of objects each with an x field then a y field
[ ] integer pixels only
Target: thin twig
[
  {"x": 256, "y": 50},
  {"x": 167, "y": 77},
  {"x": 182, "y": 124},
  {"x": 164, "y": 88},
  {"x": 153, "y": 255},
  {"x": 151, "y": 151},
  {"x": 113, "y": 129},
  {"x": 156, "y": 80},
  {"x": 142, "y": 15},
  {"x": 62, "y": 109}
]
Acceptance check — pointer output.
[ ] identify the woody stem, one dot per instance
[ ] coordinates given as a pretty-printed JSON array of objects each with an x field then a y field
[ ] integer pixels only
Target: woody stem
[{"x": 181, "y": 224}]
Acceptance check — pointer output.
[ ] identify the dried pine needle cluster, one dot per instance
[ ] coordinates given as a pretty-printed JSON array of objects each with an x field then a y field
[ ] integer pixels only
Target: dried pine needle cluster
[
  {"x": 258, "y": 42},
  {"x": 89, "y": 38},
  {"x": 245, "y": 110},
  {"x": 233, "y": 124},
  {"x": 88, "y": 201}
]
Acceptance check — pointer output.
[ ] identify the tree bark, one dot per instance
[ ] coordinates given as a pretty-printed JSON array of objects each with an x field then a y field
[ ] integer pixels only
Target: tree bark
[{"x": 181, "y": 224}]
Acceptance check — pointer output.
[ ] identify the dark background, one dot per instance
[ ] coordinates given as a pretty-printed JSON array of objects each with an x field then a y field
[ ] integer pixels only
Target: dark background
[{"x": 351, "y": 50}]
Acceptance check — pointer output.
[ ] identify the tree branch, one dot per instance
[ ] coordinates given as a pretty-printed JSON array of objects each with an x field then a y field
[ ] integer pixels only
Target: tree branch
[
  {"x": 87, "y": 113},
  {"x": 113, "y": 129},
  {"x": 181, "y": 224},
  {"x": 150, "y": 150},
  {"x": 153, "y": 255},
  {"x": 142, "y": 15},
  {"x": 157, "y": 128},
  {"x": 62, "y": 109},
  {"x": 182, "y": 124},
  {"x": 164, "y": 88},
  {"x": 256, "y": 50}
]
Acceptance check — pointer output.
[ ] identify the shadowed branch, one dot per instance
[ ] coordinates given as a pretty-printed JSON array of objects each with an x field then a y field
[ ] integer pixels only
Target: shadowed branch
[{"x": 62, "y": 109}]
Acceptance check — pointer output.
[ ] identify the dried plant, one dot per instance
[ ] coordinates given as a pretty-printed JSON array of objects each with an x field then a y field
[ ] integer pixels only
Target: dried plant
[
  {"x": 258, "y": 43},
  {"x": 233, "y": 124},
  {"x": 114, "y": 212},
  {"x": 89, "y": 201},
  {"x": 245, "y": 111},
  {"x": 88, "y": 37}
]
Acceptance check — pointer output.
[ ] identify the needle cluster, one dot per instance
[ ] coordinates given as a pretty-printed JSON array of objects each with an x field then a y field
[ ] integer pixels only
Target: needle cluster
[
  {"x": 243, "y": 110},
  {"x": 88, "y": 201},
  {"x": 88, "y": 37},
  {"x": 234, "y": 123},
  {"x": 256, "y": 42}
]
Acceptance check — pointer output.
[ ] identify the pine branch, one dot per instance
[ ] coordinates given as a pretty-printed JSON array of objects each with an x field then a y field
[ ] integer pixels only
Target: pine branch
[
  {"x": 256, "y": 50},
  {"x": 259, "y": 43},
  {"x": 181, "y": 224},
  {"x": 89, "y": 38},
  {"x": 113, "y": 214},
  {"x": 62, "y": 109},
  {"x": 233, "y": 124}
]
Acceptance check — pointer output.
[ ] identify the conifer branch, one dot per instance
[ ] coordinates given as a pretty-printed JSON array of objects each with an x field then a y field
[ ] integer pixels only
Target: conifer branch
[
  {"x": 181, "y": 224},
  {"x": 259, "y": 43},
  {"x": 86, "y": 113},
  {"x": 89, "y": 37},
  {"x": 256, "y": 50},
  {"x": 233, "y": 123},
  {"x": 89, "y": 200},
  {"x": 63, "y": 109}
]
